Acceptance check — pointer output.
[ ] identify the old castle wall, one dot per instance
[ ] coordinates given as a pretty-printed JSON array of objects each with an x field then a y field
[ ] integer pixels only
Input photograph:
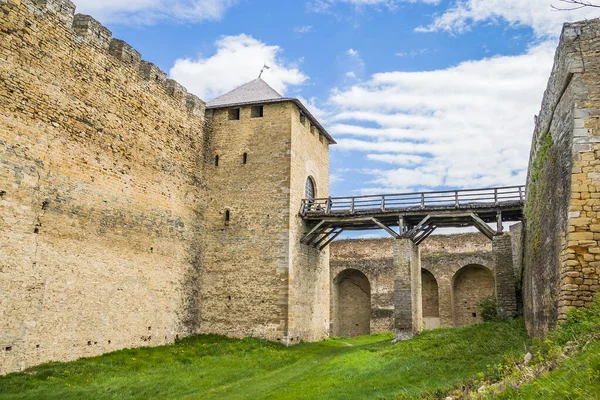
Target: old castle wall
[
  {"x": 443, "y": 257},
  {"x": 256, "y": 277},
  {"x": 309, "y": 267},
  {"x": 102, "y": 191},
  {"x": 562, "y": 230},
  {"x": 245, "y": 262}
]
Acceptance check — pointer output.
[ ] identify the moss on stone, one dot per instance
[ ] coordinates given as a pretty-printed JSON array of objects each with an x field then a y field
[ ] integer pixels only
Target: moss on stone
[{"x": 536, "y": 188}]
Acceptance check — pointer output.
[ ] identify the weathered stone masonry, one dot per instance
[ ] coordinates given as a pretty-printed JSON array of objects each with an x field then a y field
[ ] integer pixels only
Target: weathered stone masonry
[
  {"x": 120, "y": 227},
  {"x": 562, "y": 230},
  {"x": 102, "y": 191},
  {"x": 457, "y": 272}
]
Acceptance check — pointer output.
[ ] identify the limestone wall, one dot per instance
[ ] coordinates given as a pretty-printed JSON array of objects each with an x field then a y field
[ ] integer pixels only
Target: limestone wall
[
  {"x": 309, "y": 268},
  {"x": 102, "y": 191},
  {"x": 245, "y": 262},
  {"x": 442, "y": 256},
  {"x": 562, "y": 230}
]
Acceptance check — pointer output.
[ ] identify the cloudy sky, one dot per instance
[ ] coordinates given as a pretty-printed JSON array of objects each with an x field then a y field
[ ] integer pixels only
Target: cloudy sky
[{"x": 419, "y": 94}]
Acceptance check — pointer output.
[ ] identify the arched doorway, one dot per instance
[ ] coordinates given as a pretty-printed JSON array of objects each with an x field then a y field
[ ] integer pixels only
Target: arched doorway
[
  {"x": 470, "y": 285},
  {"x": 431, "y": 302},
  {"x": 351, "y": 304}
]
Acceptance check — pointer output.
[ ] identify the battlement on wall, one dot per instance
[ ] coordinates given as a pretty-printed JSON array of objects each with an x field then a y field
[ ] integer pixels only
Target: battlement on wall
[{"x": 89, "y": 32}]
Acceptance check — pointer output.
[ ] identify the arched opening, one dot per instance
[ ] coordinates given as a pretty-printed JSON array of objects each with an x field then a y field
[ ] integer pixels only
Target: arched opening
[
  {"x": 351, "y": 304},
  {"x": 471, "y": 284},
  {"x": 216, "y": 161},
  {"x": 227, "y": 217},
  {"x": 431, "y": 301},
  {"x": 310, "y": 191},
  {"x": 245, "y": 158}
]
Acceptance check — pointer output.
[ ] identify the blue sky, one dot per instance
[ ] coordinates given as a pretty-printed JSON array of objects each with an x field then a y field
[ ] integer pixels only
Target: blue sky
[{"x": 420, "y": 94}]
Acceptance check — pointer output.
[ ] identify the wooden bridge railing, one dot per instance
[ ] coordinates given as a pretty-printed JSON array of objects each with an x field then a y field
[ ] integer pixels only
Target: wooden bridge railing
[{"x": 452, "y": 199}]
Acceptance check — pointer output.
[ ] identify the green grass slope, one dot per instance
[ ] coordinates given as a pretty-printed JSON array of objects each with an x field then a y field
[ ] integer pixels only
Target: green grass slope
[
  {"x": 576, "y": 378},
  {"x": 212, "y": 367}
]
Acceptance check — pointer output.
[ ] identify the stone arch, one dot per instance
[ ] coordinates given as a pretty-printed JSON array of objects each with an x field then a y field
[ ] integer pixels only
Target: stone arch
[
  {"x": 431, "y": 301},
  {"x": 351, "y": 311},
  {"x": 470, "y": 284}
]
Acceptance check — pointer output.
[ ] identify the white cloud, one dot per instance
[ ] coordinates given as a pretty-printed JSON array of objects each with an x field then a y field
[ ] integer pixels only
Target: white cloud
[
  {"x": 150, "y": 11},
  {"x": 398, "y": 159},
  {"x": 238, "y": 60},
  {"x": 466, "y": 126},
  {"x": 326, "y": 5},
  {"x": 415, "y": 53},
  {"x": 303, "y": 29},
  {"x": 538, "y": 14}
]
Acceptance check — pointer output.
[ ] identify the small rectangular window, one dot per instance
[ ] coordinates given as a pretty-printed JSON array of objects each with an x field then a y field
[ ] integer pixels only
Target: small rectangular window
[
  {"x": 257, "y": 112},
  {"x": 234, "y": 114},
  {"x": 302, "y": 119}
]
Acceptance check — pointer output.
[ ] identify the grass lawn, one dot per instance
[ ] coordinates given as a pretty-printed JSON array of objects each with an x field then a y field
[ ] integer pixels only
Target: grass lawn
[{"x": 213, "y": 367}]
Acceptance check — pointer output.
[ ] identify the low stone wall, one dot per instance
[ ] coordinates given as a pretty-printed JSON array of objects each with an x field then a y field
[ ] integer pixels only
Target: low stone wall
[{"x": 443, "y": 258}]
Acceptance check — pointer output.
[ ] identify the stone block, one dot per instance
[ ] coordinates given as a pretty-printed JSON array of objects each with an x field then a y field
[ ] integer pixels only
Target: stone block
[
  {"x": 91, "y": 31},
  {"x": 124, "y": 52}
]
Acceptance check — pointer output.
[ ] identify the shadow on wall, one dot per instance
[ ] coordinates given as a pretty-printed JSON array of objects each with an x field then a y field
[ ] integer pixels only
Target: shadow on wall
[
  {"x": 351, "y": 304},
  {"x": 431, "y": 301},
  {"x": 470, "y": 285}
]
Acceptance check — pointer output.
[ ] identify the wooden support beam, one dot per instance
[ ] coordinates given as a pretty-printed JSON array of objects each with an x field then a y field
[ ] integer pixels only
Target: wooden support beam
[
  {"x": 401, "y": 225},
  {"x": 326, "y": 233},
  {"x": 331, "y": 239},
  {"x": 385, "y": 228},
  {"x": 417, "y": 228},
  {"x": 499, "y": 227},
  {"x": 426, "y": 235},
  {"x": 482, "y": 226},
  {"x": 306, "y": 237}
]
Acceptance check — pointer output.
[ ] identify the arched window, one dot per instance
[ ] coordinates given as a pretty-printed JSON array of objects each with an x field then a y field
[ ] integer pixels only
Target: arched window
[
  {"x": 245, "y": 158},
  {"x": 309, "y": 191}
]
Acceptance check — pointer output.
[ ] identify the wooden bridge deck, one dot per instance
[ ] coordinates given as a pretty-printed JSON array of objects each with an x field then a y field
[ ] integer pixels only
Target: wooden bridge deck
[{"x": 416, "y": 215}]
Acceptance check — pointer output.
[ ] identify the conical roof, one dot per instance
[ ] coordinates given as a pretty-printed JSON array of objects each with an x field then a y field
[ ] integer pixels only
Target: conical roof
[{"x": 255, "y": 91}]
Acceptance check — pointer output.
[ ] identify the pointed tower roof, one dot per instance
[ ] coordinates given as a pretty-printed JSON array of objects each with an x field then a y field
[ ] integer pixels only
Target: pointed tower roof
[
  {"x": 259, "y": 92},
  {"x": 255, "y": 91}
]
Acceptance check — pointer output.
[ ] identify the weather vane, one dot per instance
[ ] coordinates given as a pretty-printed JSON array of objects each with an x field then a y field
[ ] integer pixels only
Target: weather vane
[{"x": 263, "y": 70}]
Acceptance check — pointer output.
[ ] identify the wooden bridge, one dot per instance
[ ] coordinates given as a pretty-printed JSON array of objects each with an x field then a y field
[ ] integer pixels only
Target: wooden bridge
[{"x": 415, "y": 215}]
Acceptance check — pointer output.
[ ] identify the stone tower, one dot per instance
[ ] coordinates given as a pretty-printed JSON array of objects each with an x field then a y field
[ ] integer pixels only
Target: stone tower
[{"x": 256, "y": 279}]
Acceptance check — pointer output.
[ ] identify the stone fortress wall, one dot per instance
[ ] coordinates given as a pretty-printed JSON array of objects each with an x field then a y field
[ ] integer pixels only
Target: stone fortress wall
[
  {"x": 119, "y": 230},
  {"x": 102, "y": 191},
  {"x": 561, "y": 264},
  {"x": 457, "y": 271},
  {"x": 255, "y": 277}
]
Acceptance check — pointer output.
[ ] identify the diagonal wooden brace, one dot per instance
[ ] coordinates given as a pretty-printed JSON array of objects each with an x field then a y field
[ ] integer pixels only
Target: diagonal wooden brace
[
  {"x": 385, "y": 228},
  {"x": 308, "y": 237},
  {"x": 482, "y": 226},
  {"x": 412, "y": 233}
]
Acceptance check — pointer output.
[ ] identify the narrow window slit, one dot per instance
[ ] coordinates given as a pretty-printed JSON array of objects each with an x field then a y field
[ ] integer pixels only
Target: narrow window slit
[{"x": 245, "y": 158}]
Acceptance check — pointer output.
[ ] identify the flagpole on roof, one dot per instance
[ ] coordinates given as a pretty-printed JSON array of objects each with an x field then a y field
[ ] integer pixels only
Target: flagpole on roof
[{"x": 263, "y": 70}]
